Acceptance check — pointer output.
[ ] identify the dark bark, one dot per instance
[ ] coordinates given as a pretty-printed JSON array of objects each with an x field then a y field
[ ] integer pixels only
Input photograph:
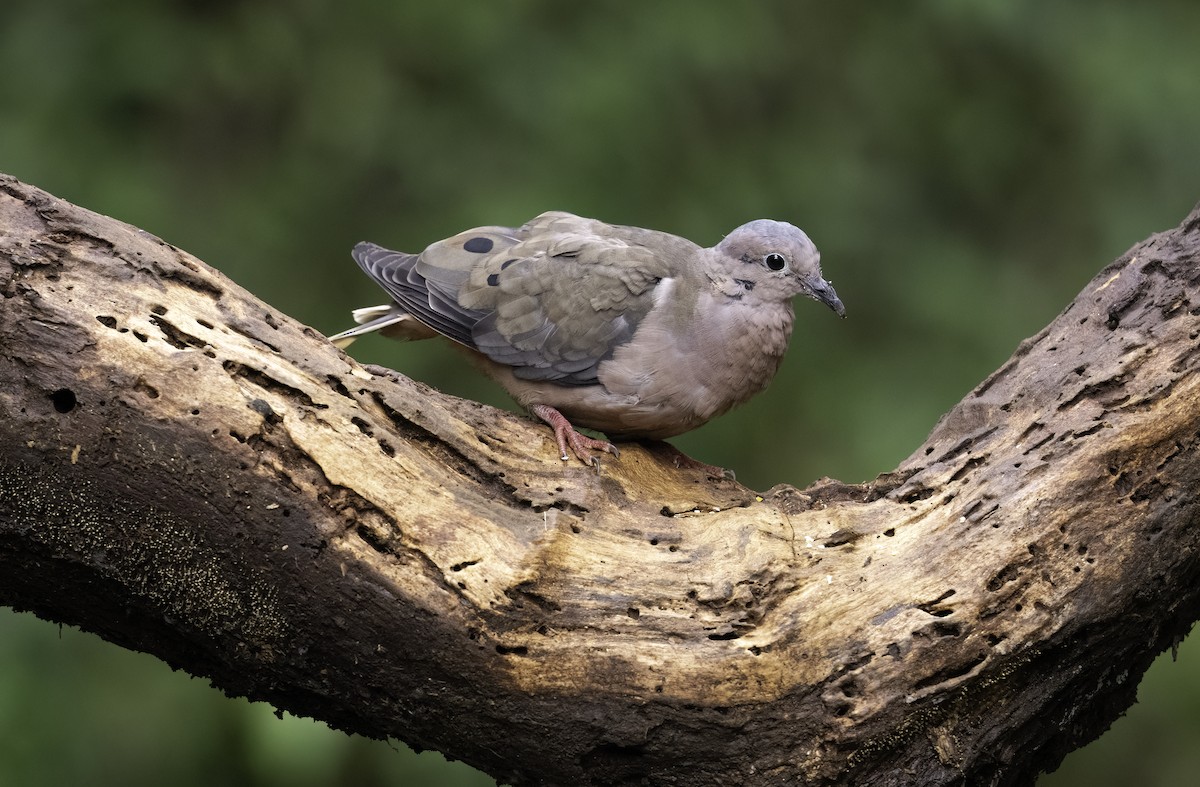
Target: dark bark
[{"x": 188, "y": 473}]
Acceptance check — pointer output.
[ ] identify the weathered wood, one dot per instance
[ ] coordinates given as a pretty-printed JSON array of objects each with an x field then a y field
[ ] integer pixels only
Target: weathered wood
[{"x": 187, "y": 472}]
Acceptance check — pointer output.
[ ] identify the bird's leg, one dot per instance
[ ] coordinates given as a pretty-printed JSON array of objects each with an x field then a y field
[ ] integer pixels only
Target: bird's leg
[{"x": 566, "y": 435}]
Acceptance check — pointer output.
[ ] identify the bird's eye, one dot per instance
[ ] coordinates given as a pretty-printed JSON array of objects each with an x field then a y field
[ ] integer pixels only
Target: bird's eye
[{"x": 775, "y": 262}]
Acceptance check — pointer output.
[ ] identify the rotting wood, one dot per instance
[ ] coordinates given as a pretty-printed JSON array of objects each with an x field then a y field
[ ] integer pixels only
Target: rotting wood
[{"x": 187, "y": 472}]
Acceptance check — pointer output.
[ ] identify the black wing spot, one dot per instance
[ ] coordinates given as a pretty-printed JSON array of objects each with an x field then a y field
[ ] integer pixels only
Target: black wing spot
[
  {"x": 506, "y": 263},
  {"x": 478, "y": 245},
  {"x": 493, "y": 280}
]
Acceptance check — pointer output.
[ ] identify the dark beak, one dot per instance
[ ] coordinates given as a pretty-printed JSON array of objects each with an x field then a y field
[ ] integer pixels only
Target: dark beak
[{"x": 822, "y": 291}]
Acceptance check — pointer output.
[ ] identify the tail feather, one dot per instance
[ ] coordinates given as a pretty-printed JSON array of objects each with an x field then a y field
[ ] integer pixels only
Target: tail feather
[{"x": 389, "y": 320}]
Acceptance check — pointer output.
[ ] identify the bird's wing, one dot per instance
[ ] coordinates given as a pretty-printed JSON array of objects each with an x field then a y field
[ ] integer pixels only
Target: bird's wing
[{"x": 551, "y": 299}]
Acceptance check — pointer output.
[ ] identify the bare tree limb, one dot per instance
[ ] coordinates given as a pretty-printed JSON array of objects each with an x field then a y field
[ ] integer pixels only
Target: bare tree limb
[{"x": 186, "y": 472}]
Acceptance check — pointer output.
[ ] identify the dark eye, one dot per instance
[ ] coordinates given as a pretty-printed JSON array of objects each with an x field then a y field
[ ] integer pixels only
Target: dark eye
[{"x": 775, "y": 262}]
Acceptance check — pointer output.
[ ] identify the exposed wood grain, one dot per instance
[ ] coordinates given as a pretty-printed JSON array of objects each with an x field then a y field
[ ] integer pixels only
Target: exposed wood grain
[{"x": 185, "y": 471}]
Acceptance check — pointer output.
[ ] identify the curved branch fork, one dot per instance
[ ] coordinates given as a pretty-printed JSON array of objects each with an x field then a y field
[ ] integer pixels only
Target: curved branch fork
[{"x": 187, "y": 472}]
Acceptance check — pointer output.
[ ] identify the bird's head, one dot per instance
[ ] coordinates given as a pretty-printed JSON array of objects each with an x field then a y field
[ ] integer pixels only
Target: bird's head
[{"x": 777, "y": 259}]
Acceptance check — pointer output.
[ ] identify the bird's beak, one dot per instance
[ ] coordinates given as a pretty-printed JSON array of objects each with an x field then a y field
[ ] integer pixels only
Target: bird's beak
[{"x": 822, "y": 291}]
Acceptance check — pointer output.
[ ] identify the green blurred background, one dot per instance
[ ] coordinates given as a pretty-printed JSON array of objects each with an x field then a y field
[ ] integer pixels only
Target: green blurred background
[{"x": 965, "y": 168}]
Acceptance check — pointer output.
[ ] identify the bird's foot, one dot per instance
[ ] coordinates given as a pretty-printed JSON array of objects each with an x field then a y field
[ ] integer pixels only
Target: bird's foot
[{"x": 566, "y": 435}]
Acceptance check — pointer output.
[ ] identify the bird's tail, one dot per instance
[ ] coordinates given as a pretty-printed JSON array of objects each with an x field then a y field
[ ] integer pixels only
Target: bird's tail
[{"x": 390, "y": 320}]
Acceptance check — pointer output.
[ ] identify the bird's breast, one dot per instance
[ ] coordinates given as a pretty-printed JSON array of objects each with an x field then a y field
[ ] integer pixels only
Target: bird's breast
[{"x": 676, "y": 374}]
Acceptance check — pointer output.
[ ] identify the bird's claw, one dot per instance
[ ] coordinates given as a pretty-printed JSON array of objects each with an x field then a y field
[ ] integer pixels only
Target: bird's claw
[
  {"x": 567, "y": 436},
  {"x": 582, "y": 446}
]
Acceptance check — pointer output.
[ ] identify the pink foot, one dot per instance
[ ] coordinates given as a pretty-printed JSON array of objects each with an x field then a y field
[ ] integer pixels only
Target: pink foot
[{"x": 566, "y": 435}]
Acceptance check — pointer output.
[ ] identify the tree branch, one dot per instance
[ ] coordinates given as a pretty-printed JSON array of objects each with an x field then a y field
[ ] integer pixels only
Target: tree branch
[{"x": 188, "y": 473}]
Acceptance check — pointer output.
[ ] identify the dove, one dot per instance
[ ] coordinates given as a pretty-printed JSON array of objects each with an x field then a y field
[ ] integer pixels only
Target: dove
[{"x": 635, "y": 333}]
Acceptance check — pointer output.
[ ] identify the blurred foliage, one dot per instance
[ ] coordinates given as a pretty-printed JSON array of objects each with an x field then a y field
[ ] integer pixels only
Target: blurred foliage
[{"x": 965, "y": 168}]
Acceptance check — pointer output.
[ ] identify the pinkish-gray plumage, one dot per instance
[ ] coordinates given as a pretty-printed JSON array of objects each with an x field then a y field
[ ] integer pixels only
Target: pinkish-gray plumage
[{"x": 632, "y": 332}]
